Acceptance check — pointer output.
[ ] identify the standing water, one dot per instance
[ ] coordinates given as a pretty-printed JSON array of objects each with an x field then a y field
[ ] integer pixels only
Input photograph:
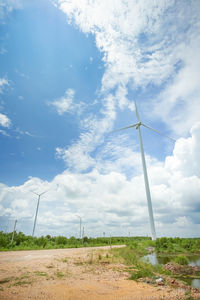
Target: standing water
[{"x": 162, "y": 260}]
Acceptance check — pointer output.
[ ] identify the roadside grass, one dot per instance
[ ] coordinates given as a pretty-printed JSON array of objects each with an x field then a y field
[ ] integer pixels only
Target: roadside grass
[
  {"x": 97, "y": 257},
  {"x": 16, "y": 281},
  {"x": 139, "y": 269},
  {"x": 132, "y": 257},
  {"x": 181, "y": 260},
  {"x": 22, "y": 282},
  {"x": 40, "y": 273},
  {"x": 60, "y": 274}
]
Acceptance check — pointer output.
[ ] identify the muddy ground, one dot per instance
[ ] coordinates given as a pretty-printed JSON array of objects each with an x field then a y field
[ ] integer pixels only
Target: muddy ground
[{"x": 74, "y": 274}]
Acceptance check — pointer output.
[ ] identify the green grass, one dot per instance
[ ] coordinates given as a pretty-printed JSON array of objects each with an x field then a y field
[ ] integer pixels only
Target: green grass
[
  {"x": 132, "y": 257},
  {"x": 39, "y": 273},
  {"x": 143, "y": 273},
  {"x": 181, "y": 260},
  {"x": 22, "y": 282},
  {"x": 60, "y": 274}
]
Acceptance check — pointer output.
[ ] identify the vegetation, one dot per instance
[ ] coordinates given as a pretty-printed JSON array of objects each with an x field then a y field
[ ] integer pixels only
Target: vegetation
[
  {"x": 132, "y": 256},
  {"x": 177, "y": 249},
  {"x": 177, "y": 245},
  {"x": 181, "y": 260},
  {"x": 138, "y": 244},
  {"x": 27, "y": 242}
]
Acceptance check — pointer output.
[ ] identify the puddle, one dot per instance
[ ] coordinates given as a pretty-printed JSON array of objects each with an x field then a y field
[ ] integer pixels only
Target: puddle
[{"x": 194, "y": 260}]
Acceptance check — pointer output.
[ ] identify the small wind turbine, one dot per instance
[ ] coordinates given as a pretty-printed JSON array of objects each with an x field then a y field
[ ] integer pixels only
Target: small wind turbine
[
  {"x": 148, "y": 195},
  {"x": 39, "y": 195},
  {"x": 80, "y": 225}
]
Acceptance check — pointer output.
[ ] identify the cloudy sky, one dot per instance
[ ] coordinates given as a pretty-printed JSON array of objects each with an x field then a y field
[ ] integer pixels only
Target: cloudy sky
[{"x": 70, "y": 72}]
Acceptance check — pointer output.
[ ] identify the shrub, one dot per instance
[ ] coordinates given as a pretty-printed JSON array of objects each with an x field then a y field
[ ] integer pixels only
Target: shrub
[{"x": 141, "y": 274}]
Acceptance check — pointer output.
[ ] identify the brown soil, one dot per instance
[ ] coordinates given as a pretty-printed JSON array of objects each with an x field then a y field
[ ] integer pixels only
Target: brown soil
[
  {"x": 74, "y": 274},
  {"x": 184, "y": 270}
]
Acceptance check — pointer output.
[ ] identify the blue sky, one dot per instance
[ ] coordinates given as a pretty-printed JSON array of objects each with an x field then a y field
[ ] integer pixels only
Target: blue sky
[{"x": 70, "y": 72}]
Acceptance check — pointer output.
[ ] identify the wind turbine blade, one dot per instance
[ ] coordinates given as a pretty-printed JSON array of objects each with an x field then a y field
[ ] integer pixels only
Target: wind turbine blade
[
  {"x": 159, "y": 132},
  {"x": 35, "y": 193},
  {"x": 127, "y": 127},
  {"x": 136, "y": 111},
  {"x": 44, "y": 193},
  {"x": 39, "y": 194}
]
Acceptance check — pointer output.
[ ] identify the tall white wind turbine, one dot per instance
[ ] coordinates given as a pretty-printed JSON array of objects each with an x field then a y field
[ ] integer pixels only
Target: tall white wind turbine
[
  {"x": 36, "y": 213},
  {"x": 146, "y": 181}
]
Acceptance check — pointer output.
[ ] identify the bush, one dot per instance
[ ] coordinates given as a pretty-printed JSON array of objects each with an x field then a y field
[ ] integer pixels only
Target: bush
[{"x": 141, "y": 274}]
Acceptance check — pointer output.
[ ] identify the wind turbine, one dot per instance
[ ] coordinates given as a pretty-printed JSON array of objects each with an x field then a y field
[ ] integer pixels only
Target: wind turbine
[
  {"x": 80, "y": 225},
  {"x": 146, "y": 181},
  {"x": 39, "y": 195}
]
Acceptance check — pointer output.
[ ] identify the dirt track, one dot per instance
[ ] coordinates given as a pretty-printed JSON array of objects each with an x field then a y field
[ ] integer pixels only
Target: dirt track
[{"x": 73, "y": 274}]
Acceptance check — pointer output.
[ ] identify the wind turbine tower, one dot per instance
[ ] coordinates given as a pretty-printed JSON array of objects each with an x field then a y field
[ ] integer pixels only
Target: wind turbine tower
[
  {"x": 38, "y": 202},
  {"x": 146, "y": 181}
]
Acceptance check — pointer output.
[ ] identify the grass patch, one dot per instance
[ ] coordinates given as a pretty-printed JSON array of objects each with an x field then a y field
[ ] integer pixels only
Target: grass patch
[
  {"x": 181, "y": 260},
  {"x": 65, "y": 260},
  {"x": 143, "y": 273},
  {"x": 39, "y": 273},
  {"x": 22, "y": 282},
  {"x": 132, "y": 257},
  {"x": 60, "y": 275}
]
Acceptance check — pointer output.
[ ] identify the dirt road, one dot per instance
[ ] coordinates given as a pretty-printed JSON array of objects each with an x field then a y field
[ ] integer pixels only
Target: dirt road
[{"x": 73, "y": 274}]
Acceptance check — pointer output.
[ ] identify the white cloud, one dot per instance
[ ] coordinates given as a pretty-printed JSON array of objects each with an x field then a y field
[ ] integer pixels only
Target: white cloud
[
  {"x": 7, "y": 6},
  {"x": 3, "y": 83},
  {"x": 3, "y": 132},
  {"x": 23, "y": 132},
  {"x": 186, "y": 155},
  {"x": 66, "y": 104},
  {"x": 109, "y": 201},
  {"x": 154, "y": 43},
  {"x": 144, "y": 43},
  {"x": 179, "y": 103},
  {"x": 4, "y": 121},
  {"x": 78, "y": 155}
]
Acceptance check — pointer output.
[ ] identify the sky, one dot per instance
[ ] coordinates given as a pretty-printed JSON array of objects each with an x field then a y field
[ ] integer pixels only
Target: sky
[{"x": 70, "y": 71}]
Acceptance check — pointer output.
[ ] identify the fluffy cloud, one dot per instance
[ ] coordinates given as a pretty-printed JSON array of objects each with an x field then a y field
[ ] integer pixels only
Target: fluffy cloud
[
  {"x": 143, "y": 44},
  {"x": 155, "y": 43},
  {"x": 109, "y": 201},
  {"x": 78, "y": 155},
  {"x": 66, "y": 104},
  {"x": 4, "y": 121}
]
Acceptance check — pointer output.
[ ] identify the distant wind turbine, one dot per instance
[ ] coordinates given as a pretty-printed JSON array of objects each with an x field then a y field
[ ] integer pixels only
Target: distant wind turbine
[
  {"x": 39, "y": 195},
  {"x": 148, "y": 195},
  {"x": 80, "y": 225}
]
